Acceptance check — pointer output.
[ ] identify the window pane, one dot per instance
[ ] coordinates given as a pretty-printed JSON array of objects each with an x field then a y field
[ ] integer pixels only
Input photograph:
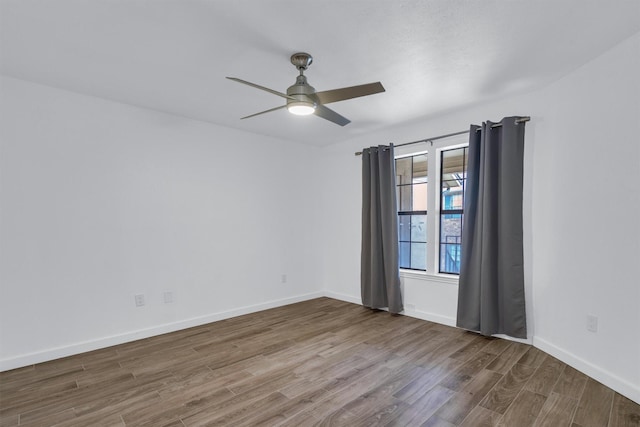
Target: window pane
[
  {"x": 419, "y": 168},
  {"x": 419, "y": 256},
  {"x": 404, "y": 200},
  {"x": 453, "y": 178},
  {"x": 450, "y": 228},
  {"x": 450, "y": 258},
  {"x": 418, "y": 228},
  {"x": 398, "y": 197},
  {"x": 452, "y": 196},
  {"x": 419, "y": 197},
  {"x": 466, "y": 160},
  {"x": 405, "y": 255},
  {"x": 403, "y": 171},
  {"x": 404, "y": 226},
  {"x": 452, "y": 184},
  {"x": 453, "y": 162}
]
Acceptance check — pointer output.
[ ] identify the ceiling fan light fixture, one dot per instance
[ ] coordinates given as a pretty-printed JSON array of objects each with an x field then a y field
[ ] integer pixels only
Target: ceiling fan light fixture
[{"x": 301, "y": 108}]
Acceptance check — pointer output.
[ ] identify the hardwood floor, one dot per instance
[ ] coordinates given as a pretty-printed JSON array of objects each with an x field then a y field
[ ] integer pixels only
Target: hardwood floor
[{"x": 317, "y": 363}]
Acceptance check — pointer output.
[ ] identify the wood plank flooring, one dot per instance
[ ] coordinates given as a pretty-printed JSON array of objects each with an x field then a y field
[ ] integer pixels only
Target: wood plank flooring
[{"x": 317, "y": 363}]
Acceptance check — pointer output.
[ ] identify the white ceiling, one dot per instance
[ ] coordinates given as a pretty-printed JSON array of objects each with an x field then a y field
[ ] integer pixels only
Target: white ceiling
[{"x": 431, "y": 56}]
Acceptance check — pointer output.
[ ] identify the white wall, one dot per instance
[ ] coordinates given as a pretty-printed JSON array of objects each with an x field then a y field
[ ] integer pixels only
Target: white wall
[
  {"x": 581, "y": 210},
  {"x": 101, "y": 201},
  {"x": 587, "y": 234}
]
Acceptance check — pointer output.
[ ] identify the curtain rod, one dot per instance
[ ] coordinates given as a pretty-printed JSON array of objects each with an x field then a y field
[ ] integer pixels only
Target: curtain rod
[{"x": 495, "y": 125}]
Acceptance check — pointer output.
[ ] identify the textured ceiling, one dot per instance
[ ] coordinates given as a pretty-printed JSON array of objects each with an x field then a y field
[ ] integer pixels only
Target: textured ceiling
[{"x": 431, "y": 56}]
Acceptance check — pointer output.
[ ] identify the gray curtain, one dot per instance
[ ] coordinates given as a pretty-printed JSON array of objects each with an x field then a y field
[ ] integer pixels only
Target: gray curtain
[
  {"x": 491, "y": 289},
  {"x": 379, "y": 274}
]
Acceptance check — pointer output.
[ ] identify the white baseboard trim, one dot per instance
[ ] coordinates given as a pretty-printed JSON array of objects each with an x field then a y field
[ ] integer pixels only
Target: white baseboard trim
[
  {"x": 431, "y": 317},
  {"x": 343, "y": 297},
  {"x": 612, "y": 381},
  {"x": 528, "y": 341},
  {"x": 96, "y": 344},
  {"x": 418, "y": 314}
]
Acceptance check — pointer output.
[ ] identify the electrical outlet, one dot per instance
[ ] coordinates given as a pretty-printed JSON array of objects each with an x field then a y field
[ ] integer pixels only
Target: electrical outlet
[
  {"x": 168, "y": 297},
  {"x": 139, "y": 300},
  {"x": 283, "y": 279},
  {"x": 410, "y": 307},
  {"x": 592, "y": 323}
]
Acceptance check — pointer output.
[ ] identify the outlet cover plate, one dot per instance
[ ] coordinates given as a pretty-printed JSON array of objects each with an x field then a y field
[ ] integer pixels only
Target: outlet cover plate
[
  {"x": 168, "y": 297},
  {"x": 139, "y": 300}
]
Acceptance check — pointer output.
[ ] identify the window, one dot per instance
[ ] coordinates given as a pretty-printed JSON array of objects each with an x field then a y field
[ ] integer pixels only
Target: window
[
  {"x": 453, "y": 177},
  {"x": 417, "y": 195},
  {"x": 411, "y": 192}
]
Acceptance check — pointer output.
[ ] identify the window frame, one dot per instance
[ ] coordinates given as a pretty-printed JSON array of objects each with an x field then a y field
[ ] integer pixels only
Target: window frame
[
  {"x": 410, "y": 214},
  {"x": 433, "y": 149},
  {"x": 449, "y": 211}
]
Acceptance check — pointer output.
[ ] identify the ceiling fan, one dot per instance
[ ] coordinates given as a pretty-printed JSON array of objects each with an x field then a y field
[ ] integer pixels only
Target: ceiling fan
[{"x": 302, "y": 98}]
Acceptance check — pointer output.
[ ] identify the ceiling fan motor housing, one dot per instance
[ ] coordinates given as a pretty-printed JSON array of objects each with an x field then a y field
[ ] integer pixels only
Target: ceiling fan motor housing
[{"x": 303, "y": 93}]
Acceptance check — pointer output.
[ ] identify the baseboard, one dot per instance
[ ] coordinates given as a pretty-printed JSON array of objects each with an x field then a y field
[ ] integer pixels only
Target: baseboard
[
  {"x": 418, "y": 314},
  {"x": 343, "y": 297},
  {"x": 431, "y": 317},
  {"x": 612, "y": 381},
  {"x": 528, "y": 341},
  {"x": 82, "y": 347}
]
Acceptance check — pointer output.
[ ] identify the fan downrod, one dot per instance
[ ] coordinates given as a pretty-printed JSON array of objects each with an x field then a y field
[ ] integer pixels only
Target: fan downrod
[{"x": 301, "y": 60}]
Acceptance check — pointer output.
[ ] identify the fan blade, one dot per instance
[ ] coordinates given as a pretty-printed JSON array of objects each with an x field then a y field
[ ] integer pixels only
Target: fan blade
[
  {"x": 332, "y": 116},
  {"x": 275, "y": 92},
  {"x": 335, "y": 95},
  {"x": 262, "y": 112}
]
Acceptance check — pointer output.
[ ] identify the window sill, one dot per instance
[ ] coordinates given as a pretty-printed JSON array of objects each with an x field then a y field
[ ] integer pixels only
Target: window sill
[{"x": 450, "y": 279}]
